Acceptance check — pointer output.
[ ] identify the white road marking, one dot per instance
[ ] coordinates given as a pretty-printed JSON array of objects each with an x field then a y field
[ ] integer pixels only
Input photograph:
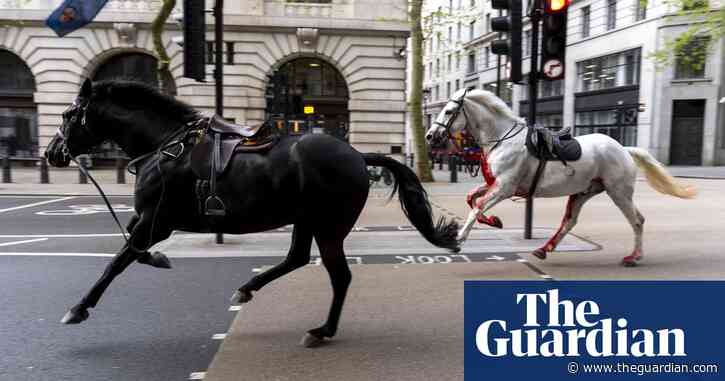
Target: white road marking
[
  {"x": 522, "y": 260},
  {"x": 22, "y": 242},
  {"x": 21, "y": 254},
  {"x": 219, "y": 336},
  {"x": 35, "y": 204},
  {"x": 197, "y": 376},
  {"x": 60, "y": 235},
  {"x": 235, "y": 308},
  {"x": 546, "y": 276},
  {"x": 256, "y": 270}
]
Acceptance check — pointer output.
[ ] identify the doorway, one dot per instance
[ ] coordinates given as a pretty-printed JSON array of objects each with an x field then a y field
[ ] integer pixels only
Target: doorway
[{"x": 687, "y": 132}]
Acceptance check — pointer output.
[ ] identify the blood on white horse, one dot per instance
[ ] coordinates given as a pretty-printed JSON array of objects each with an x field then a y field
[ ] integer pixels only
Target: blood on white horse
[{"x": 509, "y": 169}]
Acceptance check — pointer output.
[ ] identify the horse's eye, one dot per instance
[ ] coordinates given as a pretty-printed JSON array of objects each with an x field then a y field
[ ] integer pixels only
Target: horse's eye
[{"x": 448, "y": 112}]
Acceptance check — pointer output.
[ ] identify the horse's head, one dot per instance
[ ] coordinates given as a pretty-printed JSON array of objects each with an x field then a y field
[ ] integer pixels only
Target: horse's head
[
  {"x": 76, "y": 136},
  {"x": 478, "y": 111},
  {"x": 453, "y": 118}
]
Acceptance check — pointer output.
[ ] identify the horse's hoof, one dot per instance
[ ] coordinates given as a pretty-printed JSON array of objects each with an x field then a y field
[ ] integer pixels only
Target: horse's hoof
[
  {"x": 310, "y": 341},
  {"x": 241, "y": 297},
  {"x": 75, "y": 315},
  {"x": 158, "y": 259},
  {"x": 496, "y": 222},
  {"x": 629, "y": 262},
  {"x": 539, "y": 253}
]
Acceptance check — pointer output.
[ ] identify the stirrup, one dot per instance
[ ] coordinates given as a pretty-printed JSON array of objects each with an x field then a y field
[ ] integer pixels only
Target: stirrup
[{"x": 214, "y": 206}]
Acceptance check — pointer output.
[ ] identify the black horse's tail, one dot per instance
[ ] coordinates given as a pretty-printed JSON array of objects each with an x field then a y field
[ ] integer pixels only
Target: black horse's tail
[{"x": 415, "y": 204}]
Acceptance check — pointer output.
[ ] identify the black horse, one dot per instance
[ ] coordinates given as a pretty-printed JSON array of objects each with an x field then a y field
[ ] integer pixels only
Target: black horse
[{"x": 315, "y": 182}]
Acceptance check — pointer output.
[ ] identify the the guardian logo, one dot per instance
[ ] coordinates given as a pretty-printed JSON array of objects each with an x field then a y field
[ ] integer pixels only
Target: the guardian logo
[{"x": 561, "y": 328}]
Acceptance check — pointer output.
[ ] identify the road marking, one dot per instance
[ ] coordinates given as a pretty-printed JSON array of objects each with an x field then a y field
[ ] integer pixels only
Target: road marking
[
  {"x": 21, "y": 254},
  {"x": 35, "y": 204},
  {"x": 546, "y": 276},
  {"x": 197, "y": 376},
  {"x": 22, "y": 242},
  {"x": 219, "y": 336},
  {"x": 60, "y": 235},
  {"x": 235, "y": 308}
]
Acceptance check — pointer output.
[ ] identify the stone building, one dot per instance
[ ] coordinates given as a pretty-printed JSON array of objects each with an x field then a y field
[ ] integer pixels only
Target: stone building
[
  {"x": 611, "y": 84},
  {"x": 341, "y": 58}
]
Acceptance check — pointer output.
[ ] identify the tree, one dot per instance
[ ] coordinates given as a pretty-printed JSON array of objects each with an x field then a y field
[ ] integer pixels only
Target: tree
[
  {"x": 704, "y": 22},
  {"x": 422, "y": 29},
  {"x": 157, "y": 30},
  {"x": 423, "y": 167}
]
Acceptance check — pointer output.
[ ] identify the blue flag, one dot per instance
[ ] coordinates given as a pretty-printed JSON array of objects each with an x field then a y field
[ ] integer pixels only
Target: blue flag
[{"x": 73, "y": 14}]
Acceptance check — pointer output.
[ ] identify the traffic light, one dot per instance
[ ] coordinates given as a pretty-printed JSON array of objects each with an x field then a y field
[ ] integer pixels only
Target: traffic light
[
  {"x": 511, "y": 25},
  {"x": 194, "y": 42},
  {"x": 553, "y": 43}
]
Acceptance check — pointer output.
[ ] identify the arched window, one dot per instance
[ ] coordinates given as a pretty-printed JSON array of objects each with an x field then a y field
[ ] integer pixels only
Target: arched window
[{"x": 18, "y": 112}]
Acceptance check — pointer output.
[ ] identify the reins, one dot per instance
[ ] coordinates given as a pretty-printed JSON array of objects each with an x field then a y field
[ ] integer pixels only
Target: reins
[{"x": 161, "y": 150}]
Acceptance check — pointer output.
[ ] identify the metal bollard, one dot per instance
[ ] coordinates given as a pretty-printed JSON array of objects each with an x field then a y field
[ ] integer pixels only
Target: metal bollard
[
  {"x": 440, "y": 162},
  {"x": 7, "y": 177},
  {"x": 453, "y": 166},
  {"x": 82, "y": 179},
  {"x": 412, "y": 160},
  {"x": 44, "y": 175},
  {"x": 120, "y": 171}
]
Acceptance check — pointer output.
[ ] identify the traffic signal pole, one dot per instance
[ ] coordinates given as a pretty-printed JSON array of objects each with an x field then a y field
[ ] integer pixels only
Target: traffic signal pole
[
  {"x": 533, "y": 87},
  {"x": 219, "y": 69}
]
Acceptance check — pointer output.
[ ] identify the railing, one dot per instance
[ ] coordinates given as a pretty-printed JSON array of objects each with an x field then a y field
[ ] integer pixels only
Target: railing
[
  {"x": 308, "y": 10},
  {"x": 6, "y": 168},
  {"x": 114, "y": 5}
]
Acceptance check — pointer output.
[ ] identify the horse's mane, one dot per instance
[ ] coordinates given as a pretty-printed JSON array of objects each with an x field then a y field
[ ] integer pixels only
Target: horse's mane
[
  {"x": 142, "y": 95},
  {"x": 494, "y": 103}
]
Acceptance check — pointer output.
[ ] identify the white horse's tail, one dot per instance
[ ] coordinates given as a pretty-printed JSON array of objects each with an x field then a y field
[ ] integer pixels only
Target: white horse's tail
[{"x": 657, "y": 175}]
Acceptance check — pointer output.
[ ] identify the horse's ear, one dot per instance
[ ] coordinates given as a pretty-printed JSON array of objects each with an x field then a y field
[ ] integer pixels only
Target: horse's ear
[{"x": 86, "y": 89}]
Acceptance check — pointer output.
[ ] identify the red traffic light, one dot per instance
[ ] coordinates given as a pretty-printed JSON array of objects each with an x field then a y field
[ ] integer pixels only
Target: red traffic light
[{"x": 556, "y": 6}]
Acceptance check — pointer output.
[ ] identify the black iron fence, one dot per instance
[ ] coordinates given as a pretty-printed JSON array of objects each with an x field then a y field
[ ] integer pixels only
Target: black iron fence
[{"x": 11, "y": 164}]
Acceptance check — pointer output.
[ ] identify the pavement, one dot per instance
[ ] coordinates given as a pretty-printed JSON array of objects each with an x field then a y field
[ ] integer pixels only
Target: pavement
[{"x": 403, "y": 317}]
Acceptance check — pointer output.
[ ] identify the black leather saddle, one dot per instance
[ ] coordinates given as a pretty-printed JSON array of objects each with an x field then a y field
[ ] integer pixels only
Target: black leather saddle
[
  {"x": 215, "y": 148},
  {"x": 545, "y": 144}
]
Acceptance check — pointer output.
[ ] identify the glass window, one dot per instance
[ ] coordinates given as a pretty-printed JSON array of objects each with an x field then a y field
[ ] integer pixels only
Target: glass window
[
  {"x": 458, "y": 32},
  {"x": 586, "y": 19},
  {"x": 471, "y": 30},
  {"x": 690, "y": 63},
  {"x": 611, "y": 14},
  {"x": 458, "y": 61},
  {"x": 488, "y": 23},
  {"x": 438, "y": 67},
  {"x": 472, "y": 63},
  {"x": 619, "y": 69},
  {"x": 18, "y": 114},
  {"x": 609, "y": 122},
  {"x": 458, "y": 84},
  {"x": 450, "y": 63},
  {"x": 486, "y": 57},
  {"x": 448, "y": 90},
  {"x": 527, "y": 43}
]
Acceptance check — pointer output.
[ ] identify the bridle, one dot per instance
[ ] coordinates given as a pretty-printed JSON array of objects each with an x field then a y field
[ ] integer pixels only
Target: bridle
[
  {"x": 81, "y": 108},
  {"x": 461, "y": 109}
]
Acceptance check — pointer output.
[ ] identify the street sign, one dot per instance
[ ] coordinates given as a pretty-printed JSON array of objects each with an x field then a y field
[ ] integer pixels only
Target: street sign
[{"x": 553, "y": 69}]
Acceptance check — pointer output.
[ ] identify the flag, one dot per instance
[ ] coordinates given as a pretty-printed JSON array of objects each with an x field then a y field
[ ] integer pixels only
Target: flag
[{"x": 73, "y": 14}]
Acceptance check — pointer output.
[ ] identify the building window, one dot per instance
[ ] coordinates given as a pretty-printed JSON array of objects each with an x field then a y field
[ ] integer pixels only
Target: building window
[
  {"x": 690, "y": 63},
  {"x": 458, "y": 61},
  {"x": 486, "y": 57},
  {"x": 450, "y": 6},
  {"x": 640, "y": 10},
  {"x": 458, "y": 31},
  {"x": 430, "y": 70},
  {"x": 586, "y": 21},
  {"x": 473, "y": 3},
  {"x": 471, "y": 63},
  {"x": 450, "y": 35},
  {"x": 437, "y": 92},
  {"x": 546, "y": 89},
  {"x": 458, "y": 84},
  {"x": 471, "y": 30},
  {"x": 619, "y": 69},
  {"x": 487, "y": 25},
  {"x": 612, "y": 122},
  {"x": 18, "y": 112},
  {"x": 210, "y": 52},
  {"x": 504, "y": 94},
  {"x": 450, "y": 63},
  {"x": 448, "y": 90},
  {"x": 230, "y": 52},
  {"x": 611, "y": 14}
]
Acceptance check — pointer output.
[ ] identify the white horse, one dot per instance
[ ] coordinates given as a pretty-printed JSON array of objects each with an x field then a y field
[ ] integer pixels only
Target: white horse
[{"x": 509, "y": 169}]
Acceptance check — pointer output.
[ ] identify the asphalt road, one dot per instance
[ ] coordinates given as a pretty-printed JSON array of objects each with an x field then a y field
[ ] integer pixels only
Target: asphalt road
[
  {"x": 151, "y": 324},
  {"x": 155, "y": 324}
]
